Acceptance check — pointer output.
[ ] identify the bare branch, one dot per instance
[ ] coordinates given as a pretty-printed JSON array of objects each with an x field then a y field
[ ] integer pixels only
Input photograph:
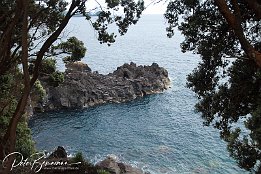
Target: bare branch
[{"x": 99, "y": 5}]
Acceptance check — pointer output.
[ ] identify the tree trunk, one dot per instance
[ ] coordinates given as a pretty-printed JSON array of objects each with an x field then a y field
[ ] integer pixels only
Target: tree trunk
[
  {"x": 234, "y": 20},
  {"x": 257, "y": 58},
  {"x": 7, "y": 146},
  {"x": 10, "y": 136}
]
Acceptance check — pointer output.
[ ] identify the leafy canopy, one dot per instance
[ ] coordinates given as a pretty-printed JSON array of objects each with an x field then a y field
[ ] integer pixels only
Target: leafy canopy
[
  {"x": 73, "y": 47},
  {"x": 228, "y": 89}
]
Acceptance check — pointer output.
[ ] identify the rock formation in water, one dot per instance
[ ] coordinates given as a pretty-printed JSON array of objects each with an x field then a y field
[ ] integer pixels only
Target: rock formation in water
[
  {"x": 111, "y": 165},
  {"x": 83, "y": 88}
]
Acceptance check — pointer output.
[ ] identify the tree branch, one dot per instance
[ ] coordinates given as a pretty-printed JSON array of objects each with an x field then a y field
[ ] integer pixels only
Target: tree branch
[
  {"x": 234, "y": 21},
  {"x": 25, "y": 46},
  {"x": 51, "y": 40}
]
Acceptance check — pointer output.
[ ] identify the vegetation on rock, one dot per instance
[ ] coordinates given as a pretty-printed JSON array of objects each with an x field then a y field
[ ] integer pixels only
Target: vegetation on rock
[
  {"x": 48, "y": 66},
  {"x": 88, "y": 89},
  {"x": 56, "y": 78},
  {"x": 40, "y": 90}
]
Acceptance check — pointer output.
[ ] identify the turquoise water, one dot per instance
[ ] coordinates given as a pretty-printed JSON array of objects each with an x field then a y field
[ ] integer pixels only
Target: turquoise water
[{"x": 159, "y": 133}]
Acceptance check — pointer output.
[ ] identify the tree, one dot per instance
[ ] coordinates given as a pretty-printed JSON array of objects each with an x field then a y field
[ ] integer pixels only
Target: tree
[
  {"x": 73, "y": 47},
  {"x": 228, "y": 89},
  {"x": 28, "y": 29}
]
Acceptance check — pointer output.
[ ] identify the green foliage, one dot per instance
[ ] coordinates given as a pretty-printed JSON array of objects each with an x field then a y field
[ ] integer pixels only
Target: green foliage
[
  {"x": 8, "y": 103},
  {"x": 48, "y": 66},
  {"x": 78, "y": 157},
  {"x": 132, "y": 12},
  {"x": 5, "y": 82},
  {"x": 44, "y": 17},
  {"x": 112, "y": 3},
  {"x": 74, "y": 47},
  {"x": 24, "y": 143},
  {"x": 100, "y": 171},
  {"x": 40, "y": 90},
  {"x": 56, "y": 78},
  {"x": 228, "y": 91},
  {"x": 254, "y": 124}
]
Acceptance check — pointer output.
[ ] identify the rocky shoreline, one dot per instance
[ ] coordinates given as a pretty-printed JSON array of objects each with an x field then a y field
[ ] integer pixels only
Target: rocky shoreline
[
  {"x": 111, "y": 165},
  {"x": 59, "y": 162},
  {"x": 83, "y": 88}
]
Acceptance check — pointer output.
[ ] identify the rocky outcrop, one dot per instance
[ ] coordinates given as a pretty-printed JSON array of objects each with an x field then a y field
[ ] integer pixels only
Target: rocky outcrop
[
  {"x": 59, "y": 153},
  {"x": 83, "y": 88},
  {"x": 77, "y": 66},
  {"x": 111, "y": 165}
]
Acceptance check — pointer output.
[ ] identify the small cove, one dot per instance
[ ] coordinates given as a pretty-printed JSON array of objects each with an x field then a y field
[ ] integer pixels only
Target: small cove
[{"x": 160, "y": 133}]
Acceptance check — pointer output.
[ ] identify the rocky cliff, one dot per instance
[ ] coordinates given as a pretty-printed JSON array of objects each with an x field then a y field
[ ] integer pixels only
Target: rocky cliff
[{"x": 83, "y": 88}]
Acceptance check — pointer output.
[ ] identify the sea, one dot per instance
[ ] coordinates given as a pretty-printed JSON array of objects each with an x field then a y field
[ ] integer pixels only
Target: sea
[{"x": 160, "y": 133}]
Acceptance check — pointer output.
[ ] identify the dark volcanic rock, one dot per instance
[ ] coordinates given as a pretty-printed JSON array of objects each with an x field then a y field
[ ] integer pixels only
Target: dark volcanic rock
[
  {"x": 114, "y": 167},
  {"x": 82, "y": 88},
  {"x": 78, "y": 66},
  {"x": 59, "y": 153}
]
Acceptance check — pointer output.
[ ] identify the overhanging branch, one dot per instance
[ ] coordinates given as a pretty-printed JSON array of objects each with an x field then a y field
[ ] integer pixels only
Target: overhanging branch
[{"x": 235, "y": 23}]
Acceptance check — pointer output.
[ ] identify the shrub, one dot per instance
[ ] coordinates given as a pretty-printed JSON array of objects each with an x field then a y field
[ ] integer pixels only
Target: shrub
[
  {"x": 39, "y": 89},
  {"x": 78, "y": 158},
  {"x": 24, "y": 143},
  {"x": 48, "y": 66},
  {"x": 56, "y": 78},
  {"x": 10, "y": 88},
  {"x": 100, "y": 171}
]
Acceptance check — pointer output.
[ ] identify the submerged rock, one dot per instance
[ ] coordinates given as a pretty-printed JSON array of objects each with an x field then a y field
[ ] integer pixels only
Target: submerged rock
[{"x": 83, "y": 88}]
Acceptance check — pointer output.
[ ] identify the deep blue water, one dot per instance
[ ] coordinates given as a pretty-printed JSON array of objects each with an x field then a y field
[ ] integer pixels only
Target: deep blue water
[{"x": 160, "y": 133}]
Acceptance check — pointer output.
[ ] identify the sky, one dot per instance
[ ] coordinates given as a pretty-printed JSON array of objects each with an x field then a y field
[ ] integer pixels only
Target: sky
[
  {"x": 158, "y": 8},
  {"x": 152, "y": 8}
]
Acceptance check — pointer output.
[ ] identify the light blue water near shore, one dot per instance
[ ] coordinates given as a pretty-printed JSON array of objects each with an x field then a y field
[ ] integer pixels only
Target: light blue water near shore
[{"x": 160, "y": 133}]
